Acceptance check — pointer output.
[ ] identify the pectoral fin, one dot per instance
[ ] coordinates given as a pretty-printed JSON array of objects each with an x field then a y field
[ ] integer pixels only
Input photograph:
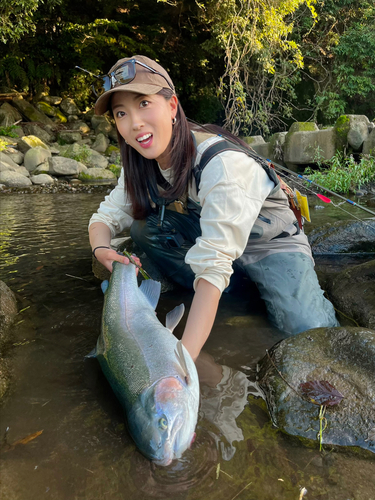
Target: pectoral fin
[
  {"x": 151, "y": 290},
  {"x": 174, "y": 317},
  {"x": 182, "y": 361}
]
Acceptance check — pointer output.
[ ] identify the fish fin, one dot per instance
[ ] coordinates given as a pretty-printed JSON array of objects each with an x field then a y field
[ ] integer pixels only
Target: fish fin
[
  {"x": 92, "y": 354},
  {"x": 151, "y": 290},
  {"x": 182, "y": 361},
  {"x": 174, "y": 317},
  {"x": 104, "y": 285}
]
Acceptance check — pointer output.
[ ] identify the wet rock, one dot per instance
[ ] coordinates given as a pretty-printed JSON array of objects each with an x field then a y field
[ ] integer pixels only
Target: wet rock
[
  {"x": 343, "y": 237},
  {"x": 345, "y": 357},
  {"x": 14, "y": 179},
  {"x": 101, "y": 143},
  {"x": 30, "y": 111},
  {"x": 42, "y": 179},
  {"x": 352, "y": 291},
  {"x": 30, "y": 141},
  {"x": 35, "y": 156},
  {"x": 69, "y": 107},
  {"x": 9, "y": 115},
  {"x": 59, "y": 165}
]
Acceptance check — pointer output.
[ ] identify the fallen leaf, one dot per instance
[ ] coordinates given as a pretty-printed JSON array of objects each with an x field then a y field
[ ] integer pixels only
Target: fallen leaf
[
  {"x": 321, "y": 392},
  {"x": 27, "y": 439},
  {"x": 39, "y": 268}
]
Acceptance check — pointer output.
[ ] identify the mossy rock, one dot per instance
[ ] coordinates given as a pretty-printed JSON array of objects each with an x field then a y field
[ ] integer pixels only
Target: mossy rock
[
  {"x": 111, "y": 149},
  {"x": 342, "y": 127},
  {"x": 30, "y": 141},
  {"x": 95, "y": 174},
  {"x": 303, "y": 127}
]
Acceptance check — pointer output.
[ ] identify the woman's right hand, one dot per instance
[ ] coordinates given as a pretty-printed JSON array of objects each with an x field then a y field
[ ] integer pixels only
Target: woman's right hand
[{"x": 107, "y": 256}]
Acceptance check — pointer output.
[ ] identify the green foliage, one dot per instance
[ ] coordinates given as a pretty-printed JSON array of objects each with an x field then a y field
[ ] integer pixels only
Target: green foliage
[
  {"x": 343, "y": 174},
  {"x": 82, "y": 156},
  {"x": 16, "y": 18},
  {"x": 8, "y": 131},
  {"x": 115, "y": 169}
]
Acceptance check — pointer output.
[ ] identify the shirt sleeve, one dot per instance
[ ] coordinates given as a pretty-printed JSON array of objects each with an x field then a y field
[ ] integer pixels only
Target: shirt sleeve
[
  {"x": 232, "y": 190},
  {"x": 115, "y": 211}
]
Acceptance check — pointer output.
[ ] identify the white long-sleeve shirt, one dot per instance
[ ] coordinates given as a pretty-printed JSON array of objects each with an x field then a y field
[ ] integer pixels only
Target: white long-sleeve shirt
[{"x": 232, "y": 190}]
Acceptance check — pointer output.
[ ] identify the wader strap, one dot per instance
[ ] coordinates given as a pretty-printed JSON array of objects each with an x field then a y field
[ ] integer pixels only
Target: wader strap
[{"x": 224, "y": 145}]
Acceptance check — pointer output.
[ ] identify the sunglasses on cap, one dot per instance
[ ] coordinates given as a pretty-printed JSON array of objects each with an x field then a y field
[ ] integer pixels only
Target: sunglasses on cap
[{"x": 122, "y": 75}]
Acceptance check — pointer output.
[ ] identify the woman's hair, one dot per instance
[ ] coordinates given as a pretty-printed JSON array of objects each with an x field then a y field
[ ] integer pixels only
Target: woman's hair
[{"x": 139, "y": 170}]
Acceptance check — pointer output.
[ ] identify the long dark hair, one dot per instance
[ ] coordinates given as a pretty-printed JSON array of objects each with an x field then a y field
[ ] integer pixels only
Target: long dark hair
[{"x": 139, "y": 170}]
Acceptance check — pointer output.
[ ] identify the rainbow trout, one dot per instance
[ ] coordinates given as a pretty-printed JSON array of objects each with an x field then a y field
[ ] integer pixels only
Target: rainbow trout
[{"x": 150, "y": 371}]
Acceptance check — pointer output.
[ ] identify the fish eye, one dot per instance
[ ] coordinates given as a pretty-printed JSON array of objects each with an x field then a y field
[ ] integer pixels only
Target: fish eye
[{"x": 163, "y": 424}]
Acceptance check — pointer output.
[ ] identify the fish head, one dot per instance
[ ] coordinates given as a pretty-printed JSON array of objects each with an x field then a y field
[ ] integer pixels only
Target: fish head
[{"x": 162, "y": 421}]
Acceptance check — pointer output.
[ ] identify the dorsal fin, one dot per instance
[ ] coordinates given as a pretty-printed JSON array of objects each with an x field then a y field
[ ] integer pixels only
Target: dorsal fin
[
  {"x": 182, "y": 361},
  {"x": 151, "y": 290},
  {"x": 174, "y": 317}
]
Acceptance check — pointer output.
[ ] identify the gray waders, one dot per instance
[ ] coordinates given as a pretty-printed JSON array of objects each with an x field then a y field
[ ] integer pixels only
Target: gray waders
[{"x": 287, "y": 281}]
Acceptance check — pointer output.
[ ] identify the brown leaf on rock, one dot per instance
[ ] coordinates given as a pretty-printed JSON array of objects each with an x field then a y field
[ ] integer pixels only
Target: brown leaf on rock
[{"x": 321, "y": 392}]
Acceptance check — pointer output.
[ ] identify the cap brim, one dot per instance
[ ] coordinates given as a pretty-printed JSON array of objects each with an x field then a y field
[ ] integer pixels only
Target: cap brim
[{"x": 102, "y": 104}]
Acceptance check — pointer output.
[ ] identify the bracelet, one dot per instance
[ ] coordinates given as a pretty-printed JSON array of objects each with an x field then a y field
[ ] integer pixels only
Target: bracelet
[{"x": 93, "y": 252}]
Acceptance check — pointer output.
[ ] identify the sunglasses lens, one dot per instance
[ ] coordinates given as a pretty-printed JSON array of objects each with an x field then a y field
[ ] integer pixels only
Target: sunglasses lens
[{"x": 125, "y": 73}]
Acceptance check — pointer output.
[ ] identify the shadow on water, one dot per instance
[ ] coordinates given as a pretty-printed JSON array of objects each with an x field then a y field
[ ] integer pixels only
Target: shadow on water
[{"x": 84, "y": 450}]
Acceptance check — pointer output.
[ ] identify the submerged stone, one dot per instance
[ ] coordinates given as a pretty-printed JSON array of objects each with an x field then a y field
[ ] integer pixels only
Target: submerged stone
[
  {"x": 345, "y": 357},
  {"x": 343, "y": 237}
]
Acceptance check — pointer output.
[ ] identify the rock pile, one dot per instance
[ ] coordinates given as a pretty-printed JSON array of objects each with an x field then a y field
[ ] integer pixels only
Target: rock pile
[
  {"x": 304, "y": 144},
  {"x": 54, "y": 142}
]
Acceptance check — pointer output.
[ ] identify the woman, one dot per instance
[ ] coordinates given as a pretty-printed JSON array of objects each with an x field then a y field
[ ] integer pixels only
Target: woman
[{"x": 229, "y": 210}]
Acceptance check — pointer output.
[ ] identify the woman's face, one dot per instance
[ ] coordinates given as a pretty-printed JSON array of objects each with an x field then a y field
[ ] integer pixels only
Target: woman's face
[{"x": 145, "y": 122}]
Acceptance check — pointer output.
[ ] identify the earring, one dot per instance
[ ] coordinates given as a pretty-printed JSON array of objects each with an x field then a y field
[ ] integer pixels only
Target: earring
[
  {"x": 126, "y": 142},
  {"x": 174, "y": 121}
]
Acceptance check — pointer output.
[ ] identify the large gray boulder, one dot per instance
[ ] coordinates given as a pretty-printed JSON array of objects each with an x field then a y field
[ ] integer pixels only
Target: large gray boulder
[
  {"x": 59, "y": 165},
  {"x": 23, "y": 171},
  {"x": 14, "y": 179},
  {"x": 303, "y": 147},
  {"x": 253, "y": 140},
  {"x": 344, "y": 357},
  {"x": 343, "y": 237},
  {"x": 35, "y": 156},
  {"x": 69, "y": 107},
  {"x": 8, "y": 115},
  {"x": 353, "y": 292},
  {"x": 369, "y": 144},
  {"x": 52, "y": 100},
  {"x": 42, "y": 179},
  {"x": 35, "y": 130},
  {"x": 358, "y": 131},
  {"x": 30, "y": 111}
]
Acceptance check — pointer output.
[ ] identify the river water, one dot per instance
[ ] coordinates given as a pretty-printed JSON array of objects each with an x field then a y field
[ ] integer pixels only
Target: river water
[{"x": 83, "y": 450}]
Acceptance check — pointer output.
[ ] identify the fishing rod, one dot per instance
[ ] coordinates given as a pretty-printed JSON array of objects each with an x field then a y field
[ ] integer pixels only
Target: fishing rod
[{"x": 295, "y": 174}]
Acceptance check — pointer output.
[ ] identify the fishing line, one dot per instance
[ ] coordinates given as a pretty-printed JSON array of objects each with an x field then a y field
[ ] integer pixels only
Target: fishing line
[
  {"x": 300, "y": 176},
  {"x": 330, "y": 201}
]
